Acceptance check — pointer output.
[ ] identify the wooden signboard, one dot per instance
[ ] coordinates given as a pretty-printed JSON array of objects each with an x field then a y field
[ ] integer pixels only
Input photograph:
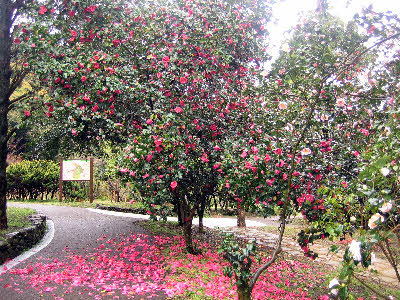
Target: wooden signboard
[{"x": 76, "y": 170}]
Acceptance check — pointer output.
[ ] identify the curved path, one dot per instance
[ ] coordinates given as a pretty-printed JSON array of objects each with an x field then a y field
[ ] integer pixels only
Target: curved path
[{"x": 78, "y": 231}]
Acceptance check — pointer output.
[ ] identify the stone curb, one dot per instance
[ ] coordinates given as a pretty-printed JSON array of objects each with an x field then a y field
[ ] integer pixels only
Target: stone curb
[
  {"x": 18, "y": 241},
  {"x": 121, "y": 209}
]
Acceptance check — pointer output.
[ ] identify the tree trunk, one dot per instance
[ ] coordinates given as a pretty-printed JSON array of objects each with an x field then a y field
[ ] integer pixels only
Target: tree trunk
[
  {"x": 200, "y": 212},
  {"x": 187, "y": 236},
  {"x": 178, "y": 212},
  {"x": 243, "y": 294},
  {"x": 241, "y": 215},
  {"x": 6, "y": 12},
  {"x": 243, "y": 291}
]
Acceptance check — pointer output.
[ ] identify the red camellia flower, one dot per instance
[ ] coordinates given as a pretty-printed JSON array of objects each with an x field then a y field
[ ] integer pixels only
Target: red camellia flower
[
  {"x": 178, "y": 110},
  {"x": 174, "y": 184},
  {"x": 17, "y": 41},
  {"x": 42, "y": 10},
  {"x": 73, "y": 33},
  {"x": 116, "y": 42},
  {"x": 27, "y": 113},
  {"x": 165, "y": 59},
  {"x": 183, "y": 80},
  {"x": 83, "y": 78}
]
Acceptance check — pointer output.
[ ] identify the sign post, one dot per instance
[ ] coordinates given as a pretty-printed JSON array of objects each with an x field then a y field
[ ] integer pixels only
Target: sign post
[{"x": 76, "y": 170}]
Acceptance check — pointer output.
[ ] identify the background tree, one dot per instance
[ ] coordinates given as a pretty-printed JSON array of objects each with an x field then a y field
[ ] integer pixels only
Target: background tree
[
  {"x": 17, "y": 51},
  {"x": 322, "y": 96}
]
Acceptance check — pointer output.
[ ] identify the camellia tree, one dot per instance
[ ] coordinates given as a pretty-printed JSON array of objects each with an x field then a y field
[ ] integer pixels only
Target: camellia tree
[
  {"x": 322, "y": 96},
  {"x": 196, "y": 73},
  {"x": 154, "y": 72},
  {"x": 32, "y": 31}
]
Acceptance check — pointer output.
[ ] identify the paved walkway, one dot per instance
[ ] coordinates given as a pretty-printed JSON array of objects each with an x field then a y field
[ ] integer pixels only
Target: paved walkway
[{"x": 79, "y": 236}]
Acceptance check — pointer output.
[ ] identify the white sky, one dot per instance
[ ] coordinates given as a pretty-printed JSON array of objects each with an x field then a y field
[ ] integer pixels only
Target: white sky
[{"x": 288, "y": 11}]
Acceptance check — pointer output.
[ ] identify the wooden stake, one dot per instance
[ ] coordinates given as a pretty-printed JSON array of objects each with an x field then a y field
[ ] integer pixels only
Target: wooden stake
[
  {"x": 91, "y": 180},
  {"x": 61, "y": 180}
]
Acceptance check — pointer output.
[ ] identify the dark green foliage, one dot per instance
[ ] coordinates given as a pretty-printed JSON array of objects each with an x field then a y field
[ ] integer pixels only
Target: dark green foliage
[
  {"x": 33, "y": 179},
  {"x": 39, "y": 179}
]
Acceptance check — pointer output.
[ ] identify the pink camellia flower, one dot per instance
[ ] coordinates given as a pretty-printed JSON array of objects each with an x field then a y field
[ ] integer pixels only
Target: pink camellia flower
[
  {"x": 282, "y": 105},
  {"x": 305, "y": 151},
  {"x": 174, "y": 184},
  {"x": 17, "y": 40},
  {"x": 178, "y": 110},
  {"x": 217, "y": 148},
  {"x": 244, "y": 154},
  {"x": 42, "y": 10},
  {"x": 83, "y": 78},
  {"x": 341, "y": 102},
  {"x": 324, "y": 117},
  {"x": 165, "y": 59},
  {"x": 73, "y": 33},
  {"x": 149, "y": 121},
  {"x": 309, "y": 197},
  {"x": 373, "y": 221},
  {"x": 278, "y": 151},
  {"x": 183, "y": 80},
  {"x": 386, "y": 207},
  {"x": 204, "y": 158},
  {"x": 27, "y": 113}
]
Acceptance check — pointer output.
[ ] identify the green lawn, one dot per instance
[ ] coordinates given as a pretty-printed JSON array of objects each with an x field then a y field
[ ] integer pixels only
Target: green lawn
[
  {"x": 83, "y": 203},
  {"x": 17, "y": 218}
]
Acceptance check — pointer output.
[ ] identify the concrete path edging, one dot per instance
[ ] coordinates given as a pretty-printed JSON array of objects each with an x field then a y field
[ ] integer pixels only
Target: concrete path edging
[
  {"x": 46, "y": 240},
  {"x": 208, "y": 222}
]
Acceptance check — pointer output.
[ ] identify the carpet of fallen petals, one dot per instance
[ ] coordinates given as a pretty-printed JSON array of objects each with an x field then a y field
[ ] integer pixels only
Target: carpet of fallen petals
[{"x": 151, "y": 266}]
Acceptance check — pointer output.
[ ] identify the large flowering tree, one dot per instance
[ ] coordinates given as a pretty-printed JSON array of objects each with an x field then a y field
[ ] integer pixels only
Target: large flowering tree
[
  {"x": 116, "y": 70},
  {"x": 323, "y": 96},
  {"x": 105, "y": 69},
  {"x": 202, "y": 61}
]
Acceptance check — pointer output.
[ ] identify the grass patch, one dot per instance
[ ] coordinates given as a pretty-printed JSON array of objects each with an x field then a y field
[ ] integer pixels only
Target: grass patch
[
  {"x": 84, "y": 204},
  {"x": 17, "y": 218},
  {"x": 290, "y": 231},
  {"x": 160, "y": 227}
]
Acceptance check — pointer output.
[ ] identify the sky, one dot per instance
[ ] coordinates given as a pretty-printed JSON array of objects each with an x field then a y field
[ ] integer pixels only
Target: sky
[{"x": 288, "y": 11}]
